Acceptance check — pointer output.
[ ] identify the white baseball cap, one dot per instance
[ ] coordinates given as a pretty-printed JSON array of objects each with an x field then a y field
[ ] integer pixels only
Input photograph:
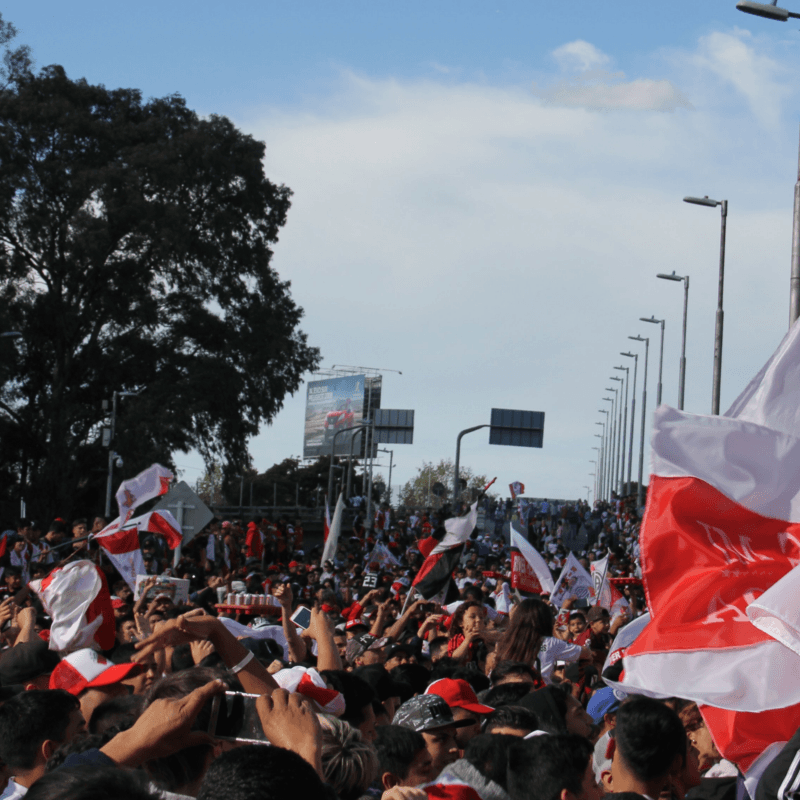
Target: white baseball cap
[{"x": 88, "y": 669}]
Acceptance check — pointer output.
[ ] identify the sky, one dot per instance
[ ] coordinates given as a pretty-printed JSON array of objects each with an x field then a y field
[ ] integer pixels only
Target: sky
[{"x": 484, "y": 193}]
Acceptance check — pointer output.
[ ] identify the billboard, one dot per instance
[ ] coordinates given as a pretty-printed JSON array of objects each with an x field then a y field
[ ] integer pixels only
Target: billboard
[{"x": 332, "y": 405}]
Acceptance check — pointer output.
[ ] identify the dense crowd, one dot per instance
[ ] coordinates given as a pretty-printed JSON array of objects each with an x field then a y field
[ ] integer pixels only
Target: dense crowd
[{"x": 483, "y": 691}]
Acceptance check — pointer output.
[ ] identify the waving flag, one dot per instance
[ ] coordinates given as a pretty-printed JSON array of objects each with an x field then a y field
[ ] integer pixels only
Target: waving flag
[
  {"x": 606, "y": 594},
  {"x": 151, "y": 483},
  {"x": 332, "y": 542},
  {"x": 529, "y": 571},
  {"x": 77, "y": 599},
  {"x": 435, "y": 572},
  {"x": 720, "y": 544},
  {"x": 516, "y": 488},
  {"x": 574, "y": 581},
  {"x": 381, "y": 556},
  {"x": 121, "y": 541}
]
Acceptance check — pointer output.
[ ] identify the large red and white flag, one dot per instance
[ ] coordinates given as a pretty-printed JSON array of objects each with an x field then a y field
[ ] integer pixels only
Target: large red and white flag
[
  {"x": 574, "y": 581},
  {"x": 719, "y": 545},
  {"x": 435, "y": 572},
  {"x": 151, "y": 483},
  {"x": 327, "y": 522},
  {"x": 121, "y": 541},
  {"x": 516, "y": 488},
  {"x": 529, "y": 571},
  {"x": 77, "y": 599}
]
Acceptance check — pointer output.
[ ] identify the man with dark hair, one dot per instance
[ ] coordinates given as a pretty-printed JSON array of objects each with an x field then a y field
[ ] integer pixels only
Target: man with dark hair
[
  {"x": 650, "y": 747},
  {"x": 557, "y": 767},
  {"x": 507, "y": 694},
  {"x": 358, "y": 697},
  {"x": 28, "y": 664},
  {"x": 403, "y": 758},
  {"x": 32, "y": 726},
  {"x": 514, "y": 672},
  {"x": 255, "y": 772},
  {"x": 511, "y": 721}
]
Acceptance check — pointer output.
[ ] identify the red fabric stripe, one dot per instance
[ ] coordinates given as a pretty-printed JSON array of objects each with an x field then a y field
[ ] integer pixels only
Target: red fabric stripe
[
  {"x": 119, "y": 542},
  {"x": 705, "y": 558},
  {"x": 157, "y": 524}
]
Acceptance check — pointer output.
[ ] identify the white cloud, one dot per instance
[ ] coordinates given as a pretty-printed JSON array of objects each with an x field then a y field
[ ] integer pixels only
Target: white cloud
[
  {"x": 580, "y": 56},
  {"x": 758, "y": 77},
  {"x": 642, "y": 94}
]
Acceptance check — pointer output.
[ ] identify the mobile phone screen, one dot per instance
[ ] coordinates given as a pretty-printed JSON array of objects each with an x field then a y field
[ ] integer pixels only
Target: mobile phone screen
[
  {"x": 302, "y": 617},
  {"x": 234, "y": 718}
]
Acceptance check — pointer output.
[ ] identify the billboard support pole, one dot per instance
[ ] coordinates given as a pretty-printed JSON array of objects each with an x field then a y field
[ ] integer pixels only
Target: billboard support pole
[
  {"x": 333, "y": 450},
  {"x": 350, "y": 469},
  {"x": 456, "y": 484}
]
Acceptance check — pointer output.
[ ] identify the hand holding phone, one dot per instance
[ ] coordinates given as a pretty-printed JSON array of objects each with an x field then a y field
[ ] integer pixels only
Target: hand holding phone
[{"x": 302, "y": 617}]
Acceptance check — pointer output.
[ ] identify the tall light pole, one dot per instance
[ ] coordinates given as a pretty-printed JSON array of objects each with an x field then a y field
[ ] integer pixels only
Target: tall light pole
[
  {"x": 660, "y": 322},
  {"x": 624, "y": 427},
  {"x": 112, "y": 456},
  {"x": 612, "y": 469},
  {"x": 596, "y": 469},
  {"x": 620, "y": 440},
  {"x": 682, "y": 374},
  {"x": 634, "y": 356},
  {"x": 598, "y": 495},
  {"x": 605, "y": 452},
  {"x": 717, "y": 381},
  {"x": 640, "y": 489},
  {"x": 588, "y": 489}
]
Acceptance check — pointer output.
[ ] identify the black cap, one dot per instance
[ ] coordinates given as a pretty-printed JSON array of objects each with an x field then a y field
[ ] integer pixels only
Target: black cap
[{"x": 26, "y": 661}]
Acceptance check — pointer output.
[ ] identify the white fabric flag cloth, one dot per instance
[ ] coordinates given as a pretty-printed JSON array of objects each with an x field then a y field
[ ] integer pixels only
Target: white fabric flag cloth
[
  {"x": 332, "y": 542},
  {"x": 274, "y": 632},
  {"x": 151, "y": 483},
  {"x": 77, "y": 599},
  {"x": 535, "y": 561},
  {"x": 574, "y": 581},
  {"x": 382, "y": 557},
  {"x": 606, "y": 594}
]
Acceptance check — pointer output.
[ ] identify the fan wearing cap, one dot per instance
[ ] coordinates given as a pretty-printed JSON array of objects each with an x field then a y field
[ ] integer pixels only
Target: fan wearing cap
[
  {"x": 363, "y": 650},
  {"x": 28, "y": 664},
  {"x": 602, "y": 708},
  {"x": 430, "y": 715},
  {"x": 464, "y": 705},
  {"x": 92, "y": 678}
]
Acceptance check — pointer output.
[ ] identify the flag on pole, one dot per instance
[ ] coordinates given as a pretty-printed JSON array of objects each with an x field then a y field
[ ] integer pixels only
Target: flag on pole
[
  {"x": 121, "y": 541},
  {"x": 151, "y": 483},
  {"x": 516, "y": 488},
  {"x": 327, "y": 523},
  {"x": 332, "y": 542},
  {"x": 529, "y": 571},
  {"x": 77, "y": 599},
  {"x": 606, "y": 594},
  {"x": 381, "y": 556},
  {"x": 435, "y": 572},
  {"x": 574, "y": 581}
]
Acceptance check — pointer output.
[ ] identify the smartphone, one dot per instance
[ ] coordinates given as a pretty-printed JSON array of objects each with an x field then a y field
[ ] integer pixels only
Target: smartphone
[
  {"x": 302, "y": 617},
  {"x": 234, "y": 718}
]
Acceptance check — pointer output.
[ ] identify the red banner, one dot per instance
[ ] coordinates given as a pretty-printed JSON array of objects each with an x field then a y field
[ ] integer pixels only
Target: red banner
[{"x": 522, "y": 575}]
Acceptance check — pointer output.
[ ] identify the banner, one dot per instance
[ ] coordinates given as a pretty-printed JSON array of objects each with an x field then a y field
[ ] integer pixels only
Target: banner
[
  {"x": 147, "y": 485},
  {"x": 516, "y": 489},
  {"x": 332, "y": 542},
  {"x": 529, "y": 571},
  {"x": 381, "y": 558}
]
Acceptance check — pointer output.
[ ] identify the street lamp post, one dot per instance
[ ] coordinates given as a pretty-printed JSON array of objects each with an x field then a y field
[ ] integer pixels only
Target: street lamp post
[
  {"x": 661, "y": 357},
  {"x": 620, "y": 441},
  {"x": 635, "y": 357},
  {"x": 770, "y": 11},
  {"x": 598, "y": 494},
  {"x": 615, "y": 438},
  {"x": 595, "y": 468},
  {"x": 717, "y": 381},
  {"x": 609, "y": 459},
  {"x": 624, "y": 428},
  {"x": 606, "y": 448},
  {"x": 605, "y": 455},
  {"x": 640, "y": 489},
  {"x": 682, "y": 374},
  {"x": 112, "y": 456},
  {"x": 456, "y": 484}
]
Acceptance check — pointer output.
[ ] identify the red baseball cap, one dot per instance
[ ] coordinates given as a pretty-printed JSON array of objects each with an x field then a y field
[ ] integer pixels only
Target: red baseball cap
[
  {"x": 116, "y": 602},
  {"x": 457, "y": 693},
  {"x": 354, "y": 623},
  {"x": 88, "y": 669},
  {"x": 293, "y": 564}
]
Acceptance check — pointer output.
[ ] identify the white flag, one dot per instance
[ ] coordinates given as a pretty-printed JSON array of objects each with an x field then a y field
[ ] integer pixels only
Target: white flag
[
  {"x": 153, "y": 482},
  {"x": 574, "y": 581},
  {"x": 332, "y": 542},
  {"x": 535, "y": 561}
]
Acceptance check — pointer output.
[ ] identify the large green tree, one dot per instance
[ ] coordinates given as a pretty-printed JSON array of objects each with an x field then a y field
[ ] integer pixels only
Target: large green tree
[
  {"x": 135, "y": 255},
  {"x": 419, "y": 492}
]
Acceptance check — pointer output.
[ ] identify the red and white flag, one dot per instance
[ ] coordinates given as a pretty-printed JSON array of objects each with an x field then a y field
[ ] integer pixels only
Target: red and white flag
[
  {"x": 719, "y": 543},
  {"x": 151, "y": 483},
  {"x": 516, "y": 488},
  {"x": 529, "y": 571},
  {"x": 435, "y": 572},
  {"x": 121, "y": 541},
  {"x": 574, "y": 581},
  {"x": 332, "y": 542},
  {"x": 77, "y": 599}
]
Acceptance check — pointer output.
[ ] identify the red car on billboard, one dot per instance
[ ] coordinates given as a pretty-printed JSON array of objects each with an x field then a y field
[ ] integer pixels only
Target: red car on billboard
[{"x": 338, "y": 420}]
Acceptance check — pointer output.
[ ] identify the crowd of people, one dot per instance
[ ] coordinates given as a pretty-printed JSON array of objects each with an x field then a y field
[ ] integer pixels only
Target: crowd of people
[{"x": 342, "y": 681}]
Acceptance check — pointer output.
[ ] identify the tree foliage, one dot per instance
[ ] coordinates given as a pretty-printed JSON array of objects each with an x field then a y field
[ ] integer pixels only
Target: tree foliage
[
  {"x": 418, "y": 492},
  {"x": 16, "y": 61},
  {"x": 135, "y": 249}
]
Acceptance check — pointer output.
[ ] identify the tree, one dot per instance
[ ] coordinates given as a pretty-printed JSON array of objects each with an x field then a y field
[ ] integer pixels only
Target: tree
[
  {"x": 135, "y": 255},
  {"x": 209, "y": 487},
  {"x": 419, "y": 491},
  {"x": 16, "y": 61}
]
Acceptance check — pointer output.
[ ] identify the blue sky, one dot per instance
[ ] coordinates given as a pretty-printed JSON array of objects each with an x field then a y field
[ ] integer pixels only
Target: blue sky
[{"x": 484, "y": 192}]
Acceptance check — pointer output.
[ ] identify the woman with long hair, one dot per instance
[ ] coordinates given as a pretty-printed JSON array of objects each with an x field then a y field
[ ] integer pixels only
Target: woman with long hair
[{"x": 530, "y": 639}]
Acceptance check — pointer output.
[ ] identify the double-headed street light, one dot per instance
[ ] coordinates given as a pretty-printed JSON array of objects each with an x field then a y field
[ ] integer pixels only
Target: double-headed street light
[
  {"x": 620, "y": 440},
  {"x": 598, "y": 494},
  {"x": 723, "y": 204},
  {"x": 682, "y": 374},
  {"x": 606, "y": 448},
  {"x": 660, "y": 322},
  {"x": 612, "y": 471},
  {"x": 640, "y": 490},
  {"x": 624, "y": 429}
]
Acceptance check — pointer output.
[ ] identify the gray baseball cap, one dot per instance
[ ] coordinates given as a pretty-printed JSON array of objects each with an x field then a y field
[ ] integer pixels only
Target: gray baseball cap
[{"x": 427, "y": 712}]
